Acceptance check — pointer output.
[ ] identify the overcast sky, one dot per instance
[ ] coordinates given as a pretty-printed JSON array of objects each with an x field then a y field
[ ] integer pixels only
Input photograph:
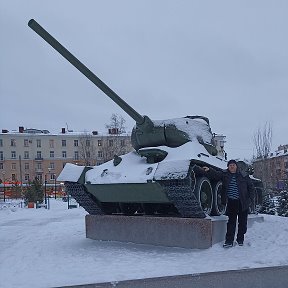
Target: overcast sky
[{"x": 227, "y": 60}]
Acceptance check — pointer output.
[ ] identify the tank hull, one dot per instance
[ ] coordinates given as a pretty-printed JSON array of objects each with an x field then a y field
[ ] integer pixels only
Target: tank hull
[
  {"x": 128, "y": 192},
  {"x": 137, "y": 187}
]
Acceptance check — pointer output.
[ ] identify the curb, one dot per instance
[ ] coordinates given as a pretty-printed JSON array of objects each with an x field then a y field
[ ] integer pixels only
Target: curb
[{"x": 266, "y": 277}]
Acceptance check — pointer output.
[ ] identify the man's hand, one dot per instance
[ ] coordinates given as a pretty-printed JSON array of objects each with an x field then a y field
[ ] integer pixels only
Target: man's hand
[{"x": 205, "y": 168}]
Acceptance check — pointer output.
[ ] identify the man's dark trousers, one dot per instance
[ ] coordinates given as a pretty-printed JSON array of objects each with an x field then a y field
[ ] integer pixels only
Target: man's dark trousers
[{"x": 234, "y": 209}]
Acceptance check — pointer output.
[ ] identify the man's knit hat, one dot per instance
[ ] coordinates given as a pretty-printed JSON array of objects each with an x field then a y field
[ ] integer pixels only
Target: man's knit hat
[{"x": 232, "y": 161}]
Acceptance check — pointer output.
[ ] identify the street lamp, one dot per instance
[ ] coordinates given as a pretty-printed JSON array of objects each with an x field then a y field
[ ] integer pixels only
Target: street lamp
[
  {"x": 55, "y": 191},
  {"x": 45, "y": 185},
  {"x": 3, "y": 173}
]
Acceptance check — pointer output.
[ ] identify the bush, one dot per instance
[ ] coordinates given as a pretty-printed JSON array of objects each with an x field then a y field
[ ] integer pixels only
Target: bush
[
  {"x": 283, "y": 204},
  {"x": 268, "y": 206}
]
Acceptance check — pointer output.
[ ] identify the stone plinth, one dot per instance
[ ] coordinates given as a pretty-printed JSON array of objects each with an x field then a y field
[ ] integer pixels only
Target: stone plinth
[
  {"x": 164, "y": 231},
  {"x": 219, "y": 224}
]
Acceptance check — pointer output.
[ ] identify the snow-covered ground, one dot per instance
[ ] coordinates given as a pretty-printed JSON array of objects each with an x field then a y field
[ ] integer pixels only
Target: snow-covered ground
[{"x": 48, "y": 248}]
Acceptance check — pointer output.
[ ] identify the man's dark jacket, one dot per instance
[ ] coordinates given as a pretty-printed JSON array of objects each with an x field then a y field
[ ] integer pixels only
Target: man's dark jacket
[{"x": 244, "y": 183}]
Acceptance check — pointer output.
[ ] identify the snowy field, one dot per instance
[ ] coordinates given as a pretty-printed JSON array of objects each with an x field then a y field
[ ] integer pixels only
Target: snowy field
[{"x": 48, "y": 248}]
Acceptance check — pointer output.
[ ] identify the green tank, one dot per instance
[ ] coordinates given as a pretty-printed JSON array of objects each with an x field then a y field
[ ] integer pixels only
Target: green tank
[{"x": 163, "y": 176}]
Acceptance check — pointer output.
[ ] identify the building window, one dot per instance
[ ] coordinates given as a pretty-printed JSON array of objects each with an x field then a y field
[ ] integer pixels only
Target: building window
[
  {"x": 13, "y": 154},
  {"x": 52, "y": 176},
  {"x": 76, "y": 143},
  {"x": 51, "y": 143},
  {"x": 87, "y": 143},
  {"x": 13, "y": 166},
  {"x": 76, "y": 155},
  {"x": 110, "y": 143},
  {"x": 26, "y": 177},
  {"x": 39, "y": 155},
  {"x": 26, "y": 166},
  {"x": 99, "y": 142},
  {"x": 38, "y": 141},
  {"x": 26, "y": 154},
  {"x": 64, "y": 154},
  {"x": 1, "y": 156},
  {"x": 1, "y": 143},
  {"x": 51, "y": 154},
  {"x": 39, "y": 165},
  {"x": 122, "y": 143},
  {"x": 63, "y": 143},
  {"x": 52, "y": 166},
  {"x": 39, "y": 177},
  {"x": 100, "y": 154},
  {"x": 13, "y": 142},
  {"x": 13, "y": 177},
  {"x": 26, "y": 142},
  {"x": 1, "y": 166}
]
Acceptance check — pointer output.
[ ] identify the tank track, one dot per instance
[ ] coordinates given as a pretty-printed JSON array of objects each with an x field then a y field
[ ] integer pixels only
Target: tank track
[
  {"x": 78, "y": 192},
  {"x": 180, "y": 193}
]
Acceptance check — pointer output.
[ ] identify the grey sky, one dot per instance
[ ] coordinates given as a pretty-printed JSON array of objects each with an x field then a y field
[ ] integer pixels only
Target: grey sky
[{"x": 226, "y": 60}]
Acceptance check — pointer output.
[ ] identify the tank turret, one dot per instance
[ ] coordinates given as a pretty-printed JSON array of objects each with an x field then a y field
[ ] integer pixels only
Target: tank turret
[{"x": 146, "y": 133}]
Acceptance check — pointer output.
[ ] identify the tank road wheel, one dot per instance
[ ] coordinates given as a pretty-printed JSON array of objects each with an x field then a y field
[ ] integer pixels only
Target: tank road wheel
[
  {"x": 203, "y": 192},
  {"x": 129, "y": 208},
  {"x": 218, "y": 208}
]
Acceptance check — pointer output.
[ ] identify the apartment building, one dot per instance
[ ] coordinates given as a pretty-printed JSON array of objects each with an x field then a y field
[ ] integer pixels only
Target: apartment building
[
  {"x": 29, "y": 153},
  {"x": 273, "y": 170}
]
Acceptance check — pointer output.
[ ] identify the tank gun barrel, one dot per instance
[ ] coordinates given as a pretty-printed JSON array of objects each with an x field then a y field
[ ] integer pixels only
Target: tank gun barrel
[{"x": 84, "y": 70}]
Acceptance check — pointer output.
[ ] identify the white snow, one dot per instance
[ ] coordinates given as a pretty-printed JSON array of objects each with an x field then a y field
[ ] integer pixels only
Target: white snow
[
  {"x": 195, "y": 128},
  {"x": 133, "y": 167},
  {"x": 48, "y": 248}
]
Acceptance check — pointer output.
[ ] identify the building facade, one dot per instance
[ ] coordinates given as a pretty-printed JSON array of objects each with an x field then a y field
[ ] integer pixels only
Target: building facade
[
  {"x": 273, "y": 170},
  {"x": 29, "y": 153}
]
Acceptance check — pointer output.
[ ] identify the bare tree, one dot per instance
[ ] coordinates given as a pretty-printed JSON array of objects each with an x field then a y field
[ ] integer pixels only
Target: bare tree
[
  {"x": 117, "y": 143},
  {"x": 87, "y": 150},
  {"x": 117, "y": 122},
  {"x": 262, "y": 142}
]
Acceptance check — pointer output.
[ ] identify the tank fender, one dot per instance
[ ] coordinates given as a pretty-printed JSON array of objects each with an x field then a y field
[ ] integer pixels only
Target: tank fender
[
  {"x": 73, "y": 173},
  {"x": 172, "y": 170}
]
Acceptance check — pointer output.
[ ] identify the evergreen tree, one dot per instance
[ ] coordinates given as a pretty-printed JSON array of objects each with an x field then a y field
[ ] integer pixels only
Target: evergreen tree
[
  {"x": 283, "y": 204},
  {"x": 34, "y": 192},
  {"x": 268, "y": 206}
]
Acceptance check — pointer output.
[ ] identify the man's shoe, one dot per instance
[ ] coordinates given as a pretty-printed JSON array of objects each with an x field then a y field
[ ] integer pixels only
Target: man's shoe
[
  {"x": 240, "y": 243},
  {"x": 227, "y": 245}
]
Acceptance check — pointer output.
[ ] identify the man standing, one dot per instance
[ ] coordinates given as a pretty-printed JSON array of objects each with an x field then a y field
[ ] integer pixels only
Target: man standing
[{"x": 237, "y": 192}]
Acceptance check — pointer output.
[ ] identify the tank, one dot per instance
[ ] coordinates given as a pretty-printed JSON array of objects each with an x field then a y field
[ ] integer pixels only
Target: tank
[{"x": 162, "y": 176}]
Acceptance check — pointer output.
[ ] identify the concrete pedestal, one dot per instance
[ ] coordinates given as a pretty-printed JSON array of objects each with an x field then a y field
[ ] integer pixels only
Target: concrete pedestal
[{"x": 164, "y": 231}]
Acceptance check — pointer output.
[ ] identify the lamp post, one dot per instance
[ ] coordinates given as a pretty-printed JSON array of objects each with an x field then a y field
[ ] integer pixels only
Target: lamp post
[
  {"x": 4, "y": 190},
  {"x": 45, "y": 185},
  {"x": 55, "y": 187}
]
